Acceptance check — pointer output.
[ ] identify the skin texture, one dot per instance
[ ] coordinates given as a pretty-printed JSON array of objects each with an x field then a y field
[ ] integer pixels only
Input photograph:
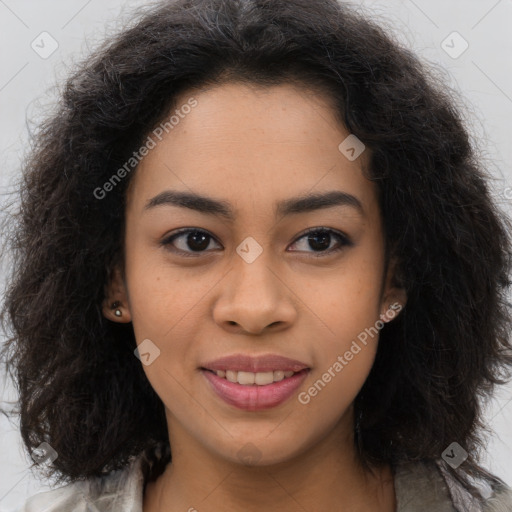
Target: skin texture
[{"x": 252, "y": 147}]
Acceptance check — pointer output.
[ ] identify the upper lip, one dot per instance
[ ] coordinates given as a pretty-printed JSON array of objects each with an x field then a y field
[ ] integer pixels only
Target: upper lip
[{"x": 264, "y": 363}]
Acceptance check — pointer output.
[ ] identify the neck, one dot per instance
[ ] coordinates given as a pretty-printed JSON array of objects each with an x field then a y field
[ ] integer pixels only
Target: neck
[{"x": 327, "y": 475}]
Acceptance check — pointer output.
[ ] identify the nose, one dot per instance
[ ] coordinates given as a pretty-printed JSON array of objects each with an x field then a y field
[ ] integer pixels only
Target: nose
[{"x": 254, "y": 298}]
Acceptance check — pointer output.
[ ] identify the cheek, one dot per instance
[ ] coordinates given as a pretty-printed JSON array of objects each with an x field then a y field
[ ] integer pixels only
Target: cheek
[
  {"x": 348, "y": 301},
  {"x": 349, "y": 306},
  {"x": 165, "y": 311},
  {"x": 345, "y": 356},
  {"x": 334, "y": 387},
  {"x": 161, "y": 297}
]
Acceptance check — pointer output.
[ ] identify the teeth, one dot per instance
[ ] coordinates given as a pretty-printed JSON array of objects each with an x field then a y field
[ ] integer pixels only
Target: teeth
[
  {"x": 250, "y": 378},
  {"x": 278, "y": 375},
  {"x": 262, "y": 378},
  {"x": 246, "y": 378},
  {"x": 231, "y": 376}
]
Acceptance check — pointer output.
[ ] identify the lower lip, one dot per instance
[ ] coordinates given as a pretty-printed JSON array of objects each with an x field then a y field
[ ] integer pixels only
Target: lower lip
[{"x": 254, "y": 397}]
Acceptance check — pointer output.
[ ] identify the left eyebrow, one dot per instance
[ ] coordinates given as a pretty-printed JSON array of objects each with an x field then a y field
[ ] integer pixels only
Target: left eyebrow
[{"x": 294, "y": 205}]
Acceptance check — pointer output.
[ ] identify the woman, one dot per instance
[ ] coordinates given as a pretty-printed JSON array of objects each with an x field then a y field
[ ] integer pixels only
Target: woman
[{"x": 258, "y": 267}]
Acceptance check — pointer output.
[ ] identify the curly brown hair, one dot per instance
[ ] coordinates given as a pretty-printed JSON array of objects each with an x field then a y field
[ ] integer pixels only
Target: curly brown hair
[{"x": 80, "y": 387}]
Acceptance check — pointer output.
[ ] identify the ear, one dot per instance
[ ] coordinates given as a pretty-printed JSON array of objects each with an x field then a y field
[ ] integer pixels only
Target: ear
[
  {"x": 394, "y": 296},
  {"x": 115, "y": 305}
]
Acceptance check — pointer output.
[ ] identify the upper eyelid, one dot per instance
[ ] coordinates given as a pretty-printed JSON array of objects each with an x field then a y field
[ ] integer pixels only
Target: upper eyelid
[{"x": 183, "y": 231}]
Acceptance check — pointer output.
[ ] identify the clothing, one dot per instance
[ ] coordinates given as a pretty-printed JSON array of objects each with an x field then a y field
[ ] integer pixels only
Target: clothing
[{"x": 419, "y": 487}]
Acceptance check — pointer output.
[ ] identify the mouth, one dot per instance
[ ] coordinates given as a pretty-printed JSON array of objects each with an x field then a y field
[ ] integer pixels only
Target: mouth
[
  {"x": 255, "y": 364},
  {"x": 254, "y": 383},
  {"x": 252, "y": 378}
]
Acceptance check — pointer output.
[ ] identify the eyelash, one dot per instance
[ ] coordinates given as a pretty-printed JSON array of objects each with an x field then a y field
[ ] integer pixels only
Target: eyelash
[{"x": 342, "y": 239}]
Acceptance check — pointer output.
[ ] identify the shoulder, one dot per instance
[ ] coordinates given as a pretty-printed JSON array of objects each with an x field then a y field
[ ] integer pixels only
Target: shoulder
[
  {"x": 119, "y": 490},
  {"x": 423, "y": 486},
  {"x": 499, "y": 501},
  {"x": 494, "y": 498}
]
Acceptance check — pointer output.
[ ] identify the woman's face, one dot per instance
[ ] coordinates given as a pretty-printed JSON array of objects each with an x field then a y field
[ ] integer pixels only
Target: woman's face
[{"x": 247, "y": 283}]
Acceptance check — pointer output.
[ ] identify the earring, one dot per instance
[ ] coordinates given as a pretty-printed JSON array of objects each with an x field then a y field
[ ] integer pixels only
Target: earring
[
  {"x": 117, "y": 311},
  {"x": 391, "y": 312}
]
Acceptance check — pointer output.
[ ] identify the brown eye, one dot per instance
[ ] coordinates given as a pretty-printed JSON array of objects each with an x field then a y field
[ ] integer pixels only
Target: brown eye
[
  {"x": 320, "y": 240},
  {"x": 193, "y": 242},
  {"x": 190, "y": 241}
]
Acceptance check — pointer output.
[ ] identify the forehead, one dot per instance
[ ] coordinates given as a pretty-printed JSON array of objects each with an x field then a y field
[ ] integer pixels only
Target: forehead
[{"x": 251, "y": 145}]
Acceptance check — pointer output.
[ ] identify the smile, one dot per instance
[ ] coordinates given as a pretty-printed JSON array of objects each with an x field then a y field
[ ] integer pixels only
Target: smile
[
  {"x": 254, "y": 397},
  {"x": 251, "y": 378}
]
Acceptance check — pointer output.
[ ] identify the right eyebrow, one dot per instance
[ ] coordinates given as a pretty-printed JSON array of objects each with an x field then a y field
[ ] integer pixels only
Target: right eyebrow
[{"x": 294, "y": 205}]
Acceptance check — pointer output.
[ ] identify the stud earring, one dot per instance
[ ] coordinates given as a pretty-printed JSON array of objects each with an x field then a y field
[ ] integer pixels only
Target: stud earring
[
  {"x": 391, "y": 312},
  {"x": 117, "y": 311}
]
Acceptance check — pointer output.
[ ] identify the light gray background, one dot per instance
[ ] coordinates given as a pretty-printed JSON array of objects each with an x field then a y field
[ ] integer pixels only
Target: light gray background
[{"x": 482, "y": 75}]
